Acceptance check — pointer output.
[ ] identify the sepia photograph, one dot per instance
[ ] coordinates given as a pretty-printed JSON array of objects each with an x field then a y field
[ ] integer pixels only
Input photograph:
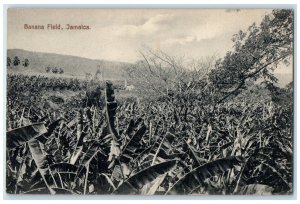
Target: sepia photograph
[{"x": 149, "y": 101}]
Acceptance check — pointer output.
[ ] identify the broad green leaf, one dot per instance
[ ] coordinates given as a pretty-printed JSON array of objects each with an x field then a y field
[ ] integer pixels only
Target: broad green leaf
[
  {"x": 133, "y": 144},
  {"x": 50, "y": 130},
  {"x": 151, "y": 188},
  {"x": 64, "y": 174},
  {"x": 197, "y": 176},
  {"x": 20, "y": 136},
  {"x": 111, "y": 106},
  {"x": 40, "y": 160},
  {"x": 90, "y": 153},
  {"x": 135, "y": 183},
  {"x": 63, "y": 168},
  {"x": 78, "y": 150}
]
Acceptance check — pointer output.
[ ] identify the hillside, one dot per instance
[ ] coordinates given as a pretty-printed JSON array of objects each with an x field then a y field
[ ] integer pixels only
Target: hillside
[
  {"x": 72, "y": 65},
  {"x": 78, "y": 67}
]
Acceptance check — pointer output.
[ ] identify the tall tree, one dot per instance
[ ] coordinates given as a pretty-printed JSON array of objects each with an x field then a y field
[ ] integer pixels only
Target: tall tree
[
  {"x": 47, "y": 69},
  {"x": 26, "y": 63},
  {"x": 161, "y": 74},
  {"x": 8, "y": 62},
  {"x": 257, "y": 52},
  {"x": 55, "y": 70},
  {"x": 61, "y": 70},
  {"x": 16, "y": 61}
]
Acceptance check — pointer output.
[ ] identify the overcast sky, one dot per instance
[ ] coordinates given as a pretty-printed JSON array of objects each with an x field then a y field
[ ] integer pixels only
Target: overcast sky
[{"x": 118, "y": 34}]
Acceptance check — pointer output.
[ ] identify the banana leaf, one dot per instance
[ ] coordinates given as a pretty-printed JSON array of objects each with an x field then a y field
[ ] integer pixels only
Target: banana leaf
[
  {"x": 197, "y": 176},
  {"x": 20, "y": 136},
  {"x": 40, "y": 161},
  {"x": 135, "y": 183}
]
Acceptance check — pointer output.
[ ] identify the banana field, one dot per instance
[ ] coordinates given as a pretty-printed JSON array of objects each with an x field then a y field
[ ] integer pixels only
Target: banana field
[
  {"x": 143, "y": 148},
  {"x": 212, "y": 127}
]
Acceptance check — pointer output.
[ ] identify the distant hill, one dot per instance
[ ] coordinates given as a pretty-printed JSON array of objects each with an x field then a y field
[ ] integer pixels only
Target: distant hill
[
  {"x": 72, "y": 65},
  {"x": 78, "y": 66}
]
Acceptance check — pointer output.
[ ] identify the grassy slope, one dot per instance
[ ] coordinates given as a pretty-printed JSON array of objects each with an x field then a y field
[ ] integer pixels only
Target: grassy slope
[{"x": 72, "y": 65}]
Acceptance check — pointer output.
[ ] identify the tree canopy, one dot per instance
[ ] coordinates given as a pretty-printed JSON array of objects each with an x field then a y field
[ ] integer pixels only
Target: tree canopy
[{"x": 257, "y": 52}]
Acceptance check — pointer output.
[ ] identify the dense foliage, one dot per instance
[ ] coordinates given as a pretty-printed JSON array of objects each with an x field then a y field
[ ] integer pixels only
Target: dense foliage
[
  {"x": 233, "y": 148},
  {"x": 200, "y": 134}
]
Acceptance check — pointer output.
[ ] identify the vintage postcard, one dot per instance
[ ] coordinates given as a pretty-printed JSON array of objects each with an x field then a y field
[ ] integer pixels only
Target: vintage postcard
[{"x": 150, "y": 101}]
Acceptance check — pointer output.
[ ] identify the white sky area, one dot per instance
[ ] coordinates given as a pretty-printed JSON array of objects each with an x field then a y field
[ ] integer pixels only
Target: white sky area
[{"x": 119, "y": 34}]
